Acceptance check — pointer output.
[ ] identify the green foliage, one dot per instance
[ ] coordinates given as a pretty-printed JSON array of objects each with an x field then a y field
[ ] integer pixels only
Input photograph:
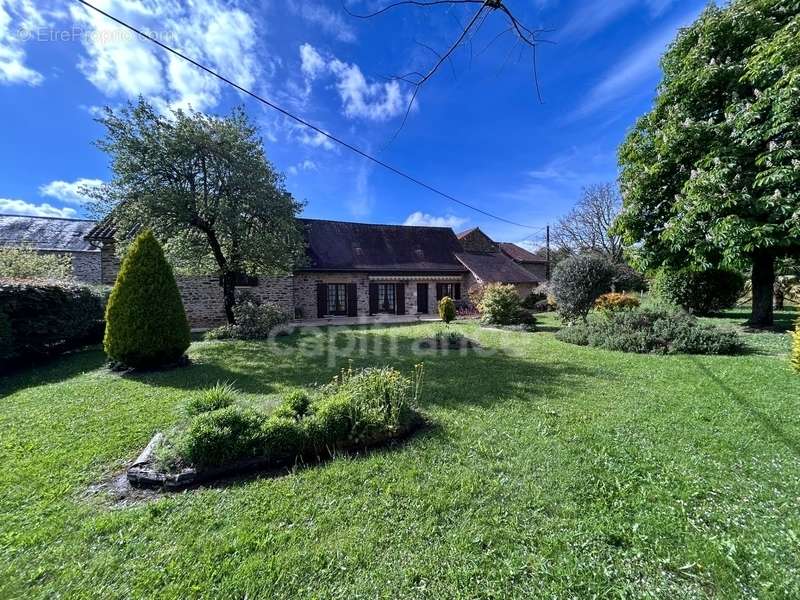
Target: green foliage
[
  {"x": 27, "y": 263},
  {"x": 615, "y": 301},
  {"x": 221, "y": 437},
  {"x": 294, "y": 405},
  {"x": 649, "y": 330},
  {"x": 357, "y": 409},
  {"x": 500, "y": 305},
  {"x": 220, "y": 395},
  {"x": 254, "y": 321},
  {"x": 795, "y": 356},
  {"x": 220, "y": 206},
  {"x": 447, "y": 309},
  {"x": 700, "y": 292},
  {"x": 710, "y": 174},
  {"x": 146, "y": 325},
  {"x": 577, "y": 282},
  {"x": 43, "y": 318}
]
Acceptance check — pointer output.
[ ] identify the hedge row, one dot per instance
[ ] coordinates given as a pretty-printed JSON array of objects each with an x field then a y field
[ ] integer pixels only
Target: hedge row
[{"x": 43, "y": 318}]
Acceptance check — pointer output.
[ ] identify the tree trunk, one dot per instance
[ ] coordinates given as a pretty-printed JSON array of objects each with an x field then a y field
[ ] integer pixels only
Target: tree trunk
[
  {"x": 763, "y": 283},
  {"x": 229, "y": 294}
]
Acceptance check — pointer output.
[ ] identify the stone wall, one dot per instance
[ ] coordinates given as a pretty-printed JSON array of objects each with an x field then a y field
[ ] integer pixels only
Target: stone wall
[
  {"x": 477, "y": 241},
  {"x": 305, "y": 291},
  {"x": 86, "y": 266}
]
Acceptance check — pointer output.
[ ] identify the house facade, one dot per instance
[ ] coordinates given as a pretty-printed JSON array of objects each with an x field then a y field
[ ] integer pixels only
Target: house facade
[{"x": 351, "y": 269}]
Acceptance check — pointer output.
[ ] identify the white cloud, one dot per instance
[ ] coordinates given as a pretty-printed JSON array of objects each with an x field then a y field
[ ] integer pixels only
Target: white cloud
[
  {"x": 119, "y": 63},
  {"x": 71, "y": 192},
  {"x": 360, "y": 98},
  {"x": 421, "y": 218},
  {"x": 312, "y": 62},
  {"x": 360, "y": 202},
  {"x": 331, "y": 22},
  {"x": 306, "y": 165},
  {"x": 19, "y": 20},
  {"x": 632, "y": 71},
  {"x": 20, "y": 207},
  {"x": 312, "y": 138}
]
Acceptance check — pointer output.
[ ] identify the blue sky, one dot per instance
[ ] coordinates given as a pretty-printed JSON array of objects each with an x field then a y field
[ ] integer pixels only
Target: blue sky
[{"x": 476, "y": 130}]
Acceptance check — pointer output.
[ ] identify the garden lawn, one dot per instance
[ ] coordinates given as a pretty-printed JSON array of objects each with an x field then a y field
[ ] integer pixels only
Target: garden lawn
[{"x": 551, "y": 471}]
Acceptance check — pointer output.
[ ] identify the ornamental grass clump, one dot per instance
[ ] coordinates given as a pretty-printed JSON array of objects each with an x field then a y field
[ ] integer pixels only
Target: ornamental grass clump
[
  {"x": 146, "y": 324},
  {"x": 220, "y": 395}
]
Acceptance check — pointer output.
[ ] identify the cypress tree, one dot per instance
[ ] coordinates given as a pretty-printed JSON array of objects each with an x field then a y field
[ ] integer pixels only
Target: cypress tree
[
  {"x": 146, "y": 324},
  {"x": 795, "y": 358}
]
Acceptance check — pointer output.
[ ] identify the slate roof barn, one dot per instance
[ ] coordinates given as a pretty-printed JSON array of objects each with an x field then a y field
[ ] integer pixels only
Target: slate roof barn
[{"x": 53, "y": 234}]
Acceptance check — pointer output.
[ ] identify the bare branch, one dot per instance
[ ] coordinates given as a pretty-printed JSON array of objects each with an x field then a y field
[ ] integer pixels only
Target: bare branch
[{"x": 408, "y": 2}]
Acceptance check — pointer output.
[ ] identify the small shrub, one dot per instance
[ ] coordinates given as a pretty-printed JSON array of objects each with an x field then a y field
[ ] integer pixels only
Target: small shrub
[
  {"x": 44, "y": 318},
  {"x": 449, "y": 338},
  {"x": 699, "y": 292},
  {"x": 281, "y": 441},
  {"x": 500, "y": 305},
  {"x": 146, "y": 324},
  {"x": 220, "y": 395},
  {"x": 221, "y": 437},
  {"x": 447, "y": 309},
  {"x": 628, "y": 279},
  {"x": 294, "y": 405},
  {"x": 27, "y": 263},
  {"x": 577, "y": 282},
  {"x": 651, "y": 330},
  {"x": 535, "y": 300},
  {"x": 254, "y": 321},
  {"x": 615, "y": 301},
  {"x": 795, "y": 357}
]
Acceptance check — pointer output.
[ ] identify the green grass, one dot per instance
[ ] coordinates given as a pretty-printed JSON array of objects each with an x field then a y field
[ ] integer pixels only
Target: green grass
[{"x": 552, "y": 471}]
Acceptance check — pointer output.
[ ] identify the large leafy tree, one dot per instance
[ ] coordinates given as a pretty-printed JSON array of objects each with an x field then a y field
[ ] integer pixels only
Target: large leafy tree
[
  {"x": 712, "y": 174},
  {"x": 585, "y": 229},
  {"x": 203, "y": 185}
]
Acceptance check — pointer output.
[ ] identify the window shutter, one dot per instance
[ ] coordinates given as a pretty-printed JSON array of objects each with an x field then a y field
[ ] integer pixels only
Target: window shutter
[
  {"x": 439, "y": 294},
  {"x": 400, "y": 298},
  {"x": 457, "y": 291},
  {"x": 373, "y": 298},
  {"x": 352, "y": 300},
  {"x": 322, "y": 299}
]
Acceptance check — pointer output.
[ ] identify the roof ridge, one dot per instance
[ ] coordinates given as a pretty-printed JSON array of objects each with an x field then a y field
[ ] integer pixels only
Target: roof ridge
[
  {"x": 48, "y": 217},
  {"x": 399, "y": 225}
]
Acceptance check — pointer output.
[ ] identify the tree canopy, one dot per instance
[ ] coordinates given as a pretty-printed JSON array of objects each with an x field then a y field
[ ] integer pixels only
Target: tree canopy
[
  {"x": 203, "y": 185},
  {"x": 711, "y": 175},
  {"x": 585, "y": 229}
]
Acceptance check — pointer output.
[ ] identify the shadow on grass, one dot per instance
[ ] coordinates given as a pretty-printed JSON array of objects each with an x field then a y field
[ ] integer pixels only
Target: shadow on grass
[
  {"x": 767, "y": 422},
  {"x": 52, "y": 370},
  {"x": 454, "y": 377},
  {"x": 784, "y": 319}
]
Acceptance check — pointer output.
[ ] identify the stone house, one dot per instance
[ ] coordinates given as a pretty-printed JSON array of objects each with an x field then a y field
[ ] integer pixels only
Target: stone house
[
  {"x": 357, "y": 269},
  {"x": 55, "y": 235},
  {"x": 351, "y": 269}
]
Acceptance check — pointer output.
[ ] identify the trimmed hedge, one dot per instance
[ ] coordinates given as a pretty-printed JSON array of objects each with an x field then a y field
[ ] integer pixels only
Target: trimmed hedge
[
  {"x": 699, "y": 292},
  {"x": 45, "y": 318},
  {"x": 651, "y": 330},
  {"x": 356, "y": 410},
  {"x": 447, "y": 309},
  {"x": 146, "y": 323}
]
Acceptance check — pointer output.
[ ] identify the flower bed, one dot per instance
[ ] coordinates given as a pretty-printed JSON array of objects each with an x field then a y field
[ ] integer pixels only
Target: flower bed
[{"x": 220, "y": 436}]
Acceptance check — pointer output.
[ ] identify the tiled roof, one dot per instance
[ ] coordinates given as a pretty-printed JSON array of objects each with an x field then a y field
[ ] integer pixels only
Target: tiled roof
[
  {"x": 339, "y": 245},
  {"x": 495, "y": 267},
  {"x": 520, "y": 254},
  {"x": 46, "y": 233}
]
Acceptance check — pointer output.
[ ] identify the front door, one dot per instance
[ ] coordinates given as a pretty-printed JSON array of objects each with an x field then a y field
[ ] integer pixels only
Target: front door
[{"x": 422, "y": 298}]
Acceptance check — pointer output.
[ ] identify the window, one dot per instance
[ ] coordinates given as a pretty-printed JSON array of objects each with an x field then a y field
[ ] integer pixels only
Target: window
[
  {"x": 448, "y": 289},
  {"x": 386, "y": 298},
  {"x": 337, "y": 299}
]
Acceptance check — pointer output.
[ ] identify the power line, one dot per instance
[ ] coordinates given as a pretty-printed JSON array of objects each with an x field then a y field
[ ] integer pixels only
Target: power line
[{"x": 302, "y": 121}]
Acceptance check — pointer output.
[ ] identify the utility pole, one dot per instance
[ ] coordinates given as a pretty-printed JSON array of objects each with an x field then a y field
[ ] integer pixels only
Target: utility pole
[{"x": 547, "y": 245}]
